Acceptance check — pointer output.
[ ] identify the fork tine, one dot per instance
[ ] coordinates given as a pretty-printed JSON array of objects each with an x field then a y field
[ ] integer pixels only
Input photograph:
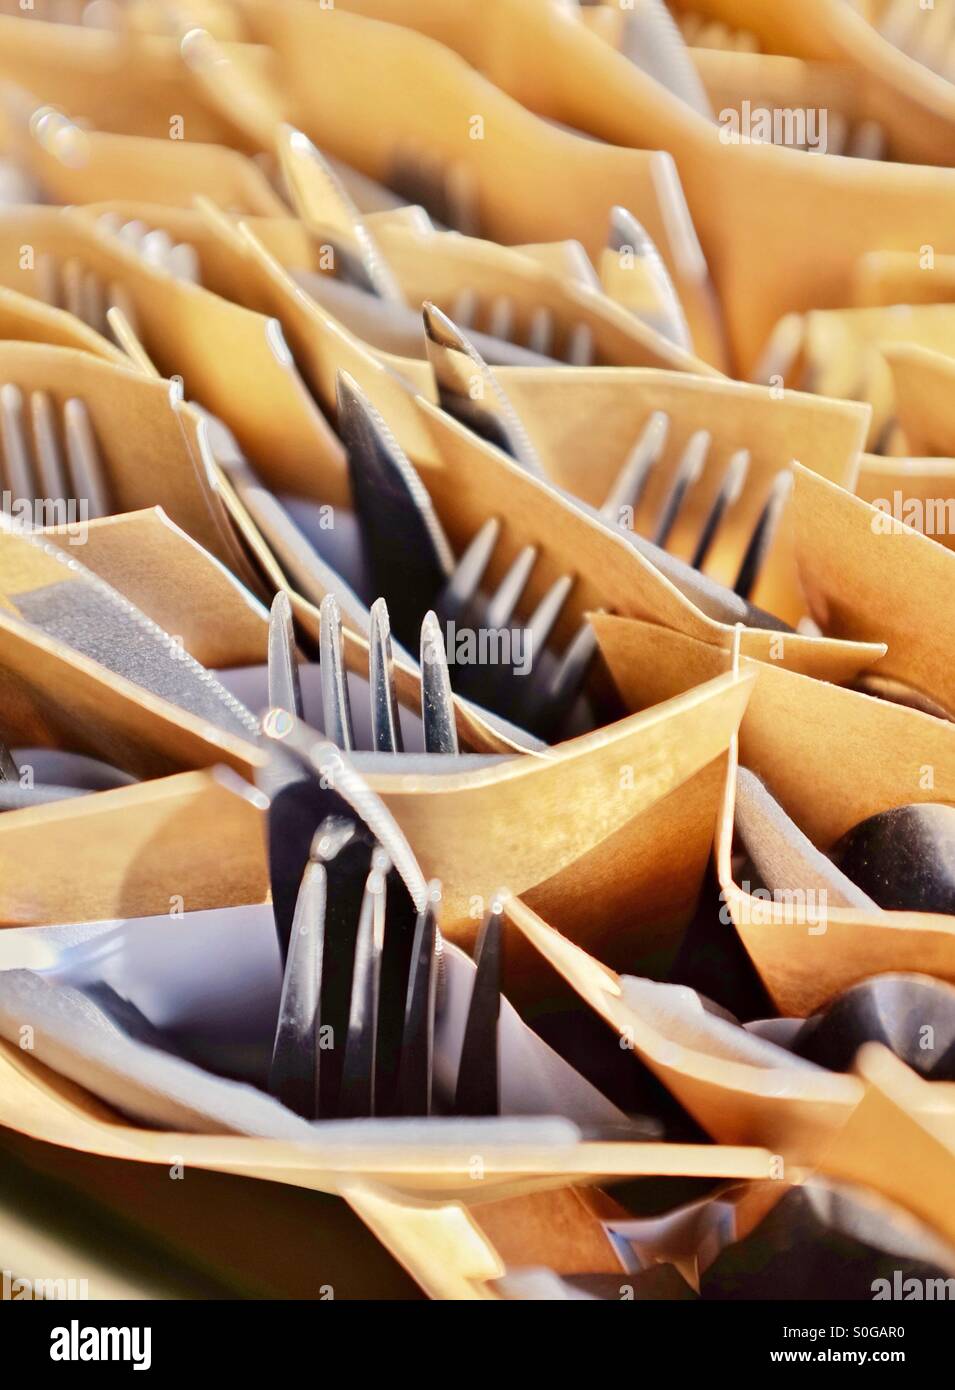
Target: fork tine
[
  {"x": 47, "y": 280},
  {"x": 729, "y": 493},
  {"x": 343, "y": 848},
  {"x": 630, "y": 482},
  {"x": 394, "y": 976},
  {"x": 868, "y": 141},
  {"x": 83, "y": 455},
  {"x": 285, "y": 691},
  {"x": 51, "y": 474},
  {"x": 567, "y": 680},
  {"x": 437, "y": 702},
  {"x": 501, "y": 318},
  {"x": 385, "y": 723},
  {"x": 9, "y": 772},
  {"x": 542, "y": 621},
  {"x": 335, "y": 703},
  {"x": 781, "y": 351},
  {"x": 507, "y": 596},
  {"x": 408, "y": 176},
  {"x": 94, "y": 310},
  {"x": 417, "y": 1040},
  {"x": 409, "y": 555},
  {"x": 323, "y": 202},
  {"x": 461, "y": 200},
  {"x": 837, "y": 133},
  {"x": 540, "y": 335},
  {"x": 294, "y": 1073},
  {"x": 478, "y": 1085},
  {"x": 688, "y": 472},
  {"x": 464, "y": 309},
  {"x": 71, "y": 283},
  {"x": 763, "y": 535},
  {"x": 183, "y": 262},
  {"x": 120, "y": 298},
  {"x": 580, "y": 346},
  {"x": 18, "y": 467},
  {"x": 456, "y": 362},
  {"x": 626, "y": 231},
  {"x": 462, "y": 588},
  {"x": 358, "y": 1069},
  {"x": 532, "y": 691}
]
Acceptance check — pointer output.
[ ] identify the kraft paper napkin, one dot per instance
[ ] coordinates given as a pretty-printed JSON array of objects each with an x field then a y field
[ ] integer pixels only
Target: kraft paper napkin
[
  {"x": 525, "y": 195},
  {"x": 136, "y": 851},
  {"x": 846, "y": 352},
  {"x": 923, "y": 379},
  {"x": 812, "y": 743},
  {"x": 469, "y": 480},
  {"x": 900, "y": 1139},
  {"x": 921, "y": 491},
  {"x": 915, "y": 107},
  {"x": 73, "y": 164},
  {"x": 584, "y": 442},
  {"x": 925, "y": 276},
  {"x": 120, "y": 82},
  {"x": 738, "y": 1089},
  {"x": 480, "y": 1160},
  {"x": 872, "y": 578},
  {"x": 742, "y": 198},
  {"x": 513, "y": 1156},
  {"x": 29, "y": 320},
  {"x": 125, "y": 409},
  {"x": 435, "y": 266},
  {"x": 230, "y": 359}
]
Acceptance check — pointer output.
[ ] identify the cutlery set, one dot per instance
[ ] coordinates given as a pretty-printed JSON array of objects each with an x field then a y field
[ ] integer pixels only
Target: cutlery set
[{"x": 452, "y": 665}]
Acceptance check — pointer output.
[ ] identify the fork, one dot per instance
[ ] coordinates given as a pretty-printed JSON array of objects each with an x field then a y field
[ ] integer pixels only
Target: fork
[
  {"x": 864, "y": 140},
  {"x": 154, "y": 245},
  {"x": 456, "y": 363},
  {"x": 363, "y": 966},
  {"x": 50, "y": 460},
  {"x": 437, "y": 704},
  {"x": 447, "y": 191},
  {"x": 627, "y": 234},
  {"x": 67, "y": 284},
  {"x": 392, "y": 503}
]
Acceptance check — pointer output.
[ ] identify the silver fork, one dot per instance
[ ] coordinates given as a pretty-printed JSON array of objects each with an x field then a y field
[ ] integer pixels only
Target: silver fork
[
  {"x": 359, "y": 263},
  {"x": 360, "y": 966},
  {"x": 864, "y": 140},
  {"x": 456, "y": 362},
  {"x": 544, "y": 335},
  {"x": 408, "y": 556},
  {"x": 437, "y": 703},
  {"x": 52, "y": 458},
  {"x": 627, "y": 234},
  {"x": 154, "y": 245},
  {"x": 68, "y": 284},
  {"x": 444, "y": 189}
]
